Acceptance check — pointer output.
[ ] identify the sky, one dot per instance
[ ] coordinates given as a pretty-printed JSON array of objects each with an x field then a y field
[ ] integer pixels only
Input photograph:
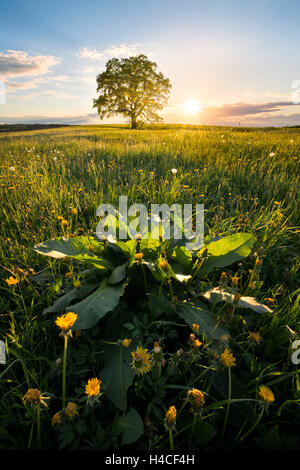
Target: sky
[{"x": 230, "y": 62}]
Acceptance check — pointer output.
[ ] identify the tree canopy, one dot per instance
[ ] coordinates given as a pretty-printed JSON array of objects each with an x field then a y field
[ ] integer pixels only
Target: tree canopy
[{"x": 134, "y": 88}]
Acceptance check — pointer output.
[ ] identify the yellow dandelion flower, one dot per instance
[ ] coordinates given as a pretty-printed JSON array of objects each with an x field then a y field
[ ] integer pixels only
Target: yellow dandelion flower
[
  {"x": 266, "y": 394},
  {"x": 139, "y": 256},
  {"x": 56, "y": 419},
  {"x": 126, "y": 342},
  {"x": 71, "y": 410},
  {"x": 227, "y": 358},
  {"x": 92, "y": 388},
  {"x": 235, "y": 281},
  {"x": 254, "y": 337},
  {"x": 197, "y": 343},
  {"x": 74, "y": 211},
  {"x": 195, "y": 327},
  {"x": 192, "y": 337},
  {"x": 163, "y": 265},
  {"x": 12, "y": 281},
  {"x": 35, "y": 397},
  {"x": 141, "y": 360},
  {"x": 171, "y": 415},
  {"x": 60, "y": 218},
  {"x": 64, "y": 223},
  {"x": 77, "y": 284},
  {"x": 196, "y": 397},
  {"x": 66, "y": 321}
]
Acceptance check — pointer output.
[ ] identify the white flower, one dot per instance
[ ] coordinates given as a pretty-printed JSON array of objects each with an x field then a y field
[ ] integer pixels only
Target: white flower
[
  {"x": 272, "y": 154},
  {"x": 12, "y": 168},
  {"x": 174, "y": 171}
]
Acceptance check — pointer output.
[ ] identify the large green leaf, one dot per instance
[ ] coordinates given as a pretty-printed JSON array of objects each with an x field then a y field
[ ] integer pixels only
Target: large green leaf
[
  {"x": 118, "y": 274},
  {"x": 192, "y": 312},
  {"x": 75, "y": 248},
  {"x": 130, "y": 426},
  {"x": 66, "y": 299},
  {"x": 204, "y": 432},
  {"x": 95, "y": 306},
  {"x": 183, "y": 256},
  {"x": 226, "y": 251},
  {"x": 117, "y": 375}
]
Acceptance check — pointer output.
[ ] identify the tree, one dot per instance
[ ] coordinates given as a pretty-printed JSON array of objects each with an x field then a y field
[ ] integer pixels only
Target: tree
[{"x": 133, "y": 88}]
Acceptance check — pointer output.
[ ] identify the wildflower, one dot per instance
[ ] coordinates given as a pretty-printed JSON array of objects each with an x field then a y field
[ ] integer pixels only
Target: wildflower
[
  {"x": 271, "y": 301},
  {"x": 74, "y": 211},
  {"x": 276, "y": 203},
  {"x": 227, "y": 358},
  {"x": 77, "y": 284},
  {"x": 195, "y": 327},
  {"x": 197, "y": 343},
  {"x": 126, "y": 342},
  {"x": 171, "y": 416},
  {"x": 60, "y": 218},
  {"x": 257, "y": 262},
  {"x": 163, "y": 265},
  {"x": 254, "y": 337},
  {"x": 35, "y": 397},
  {"x": 56, "y": 419},
  {"x": 90, "y": 248},
  {"x": 12, "y": 168},
  {"x": 71, "y": 410},
  {"x": 66, "y": 321},
  {"x": 12, "y": 281},
  {"x": 272, "y": 154},
  {"x": 139, "y": 256},
  {"x": 174, "y": 171},
  {"x": 266, "y": 394},
  {"x": 192, "y": 337},
  {"x": 223, "y": 276},
  {"x": 235, "y": 280},
  {"x": 92, "y": 388},
  {"x": 64, "y": 223},
  {"x": 196, "y": 398},
  {"x": 236, "y": 298},
  {"x": 141, "y": 360},
  {"x": 224, "y": 338}
]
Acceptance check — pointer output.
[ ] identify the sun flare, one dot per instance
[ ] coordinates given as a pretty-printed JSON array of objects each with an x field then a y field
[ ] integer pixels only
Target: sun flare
[{"x": 192, "y": 106}]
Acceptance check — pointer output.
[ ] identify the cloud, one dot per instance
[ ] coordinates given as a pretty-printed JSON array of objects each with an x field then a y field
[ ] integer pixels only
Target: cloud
[
  {"x": 90, "y": 118},
  {"x": 123, "y": 50},
  {"x": 56, "y": 94},
  {"x": 20, "y": 63},
  {"x": 245, "y": 109}
]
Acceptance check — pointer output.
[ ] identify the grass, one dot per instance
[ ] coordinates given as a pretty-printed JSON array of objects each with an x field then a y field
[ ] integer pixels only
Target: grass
[{"x": 248, "y": 180}]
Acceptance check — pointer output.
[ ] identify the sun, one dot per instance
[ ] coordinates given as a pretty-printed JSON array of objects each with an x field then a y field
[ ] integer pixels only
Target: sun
[{"x": 192, "y": 106}]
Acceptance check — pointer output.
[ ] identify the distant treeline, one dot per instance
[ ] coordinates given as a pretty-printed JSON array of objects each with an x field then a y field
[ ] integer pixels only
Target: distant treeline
[{"x": 27, "y": 127}]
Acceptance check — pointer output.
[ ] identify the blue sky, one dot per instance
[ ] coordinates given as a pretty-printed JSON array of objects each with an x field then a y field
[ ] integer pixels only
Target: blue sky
[{"x": 238, "y": 60}]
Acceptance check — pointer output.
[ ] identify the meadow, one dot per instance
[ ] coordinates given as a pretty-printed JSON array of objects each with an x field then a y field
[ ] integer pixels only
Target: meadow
[{"x": 51, "y": 183}]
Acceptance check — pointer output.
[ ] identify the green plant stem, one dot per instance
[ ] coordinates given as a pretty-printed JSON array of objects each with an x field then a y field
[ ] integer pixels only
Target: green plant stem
[
  {"x": 38, "y": 426},
  {"x": 171, "y": 439},
  {"x": 254, "y": 425},
  {"x": 228, "y": 406},
  {"x": 64, "y": 373},
  {"x": 193, "y": 426}
]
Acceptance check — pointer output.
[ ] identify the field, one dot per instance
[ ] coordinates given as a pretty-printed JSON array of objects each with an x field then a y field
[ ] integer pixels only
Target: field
[{"x": 52, "y": 182}]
